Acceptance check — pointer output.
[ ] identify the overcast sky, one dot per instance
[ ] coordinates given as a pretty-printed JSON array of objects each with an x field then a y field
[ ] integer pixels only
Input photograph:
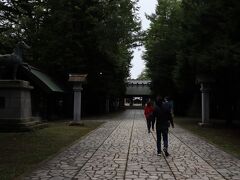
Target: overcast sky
[{"x": 146, "y": 6}]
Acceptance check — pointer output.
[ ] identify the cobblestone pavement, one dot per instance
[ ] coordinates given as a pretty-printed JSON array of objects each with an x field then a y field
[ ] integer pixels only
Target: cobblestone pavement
[{"x": 122, "y": 149}]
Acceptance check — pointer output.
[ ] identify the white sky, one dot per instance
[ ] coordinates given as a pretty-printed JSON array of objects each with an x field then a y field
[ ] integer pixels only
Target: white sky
[{"x": 148, "y": 7}]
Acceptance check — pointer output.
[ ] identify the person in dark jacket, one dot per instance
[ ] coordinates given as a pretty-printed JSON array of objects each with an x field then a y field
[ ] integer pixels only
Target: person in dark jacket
[
  {"x": 169, "y": 103},
  {"x": 164, "y": 118}
]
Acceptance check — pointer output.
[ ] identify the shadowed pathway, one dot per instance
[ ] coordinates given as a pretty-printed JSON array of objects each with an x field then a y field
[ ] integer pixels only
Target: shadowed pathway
[{"x": 122, "y": 149}]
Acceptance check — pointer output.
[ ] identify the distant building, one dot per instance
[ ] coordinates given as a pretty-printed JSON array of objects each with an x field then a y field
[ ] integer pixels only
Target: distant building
[{"x": 136, "y": 91}]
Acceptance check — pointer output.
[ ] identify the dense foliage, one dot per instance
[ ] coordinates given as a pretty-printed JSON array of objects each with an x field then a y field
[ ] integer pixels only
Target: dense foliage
[
  {"x": 75, "y": 36},
  {"x": 143, "y": 75},
  {"x": 161, "y": 46},
  {"x": 189, "y": 38}
]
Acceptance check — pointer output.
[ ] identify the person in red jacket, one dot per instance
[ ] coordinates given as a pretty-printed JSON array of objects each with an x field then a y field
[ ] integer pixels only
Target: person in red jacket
[{"x": 148, "y": 112}]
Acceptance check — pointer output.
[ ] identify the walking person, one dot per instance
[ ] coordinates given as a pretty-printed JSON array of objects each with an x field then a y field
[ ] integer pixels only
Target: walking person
[
  {"x": 148, "y": 112},
  {"x": 164, "y": 119},
  {"x": 169, "y": 103}
]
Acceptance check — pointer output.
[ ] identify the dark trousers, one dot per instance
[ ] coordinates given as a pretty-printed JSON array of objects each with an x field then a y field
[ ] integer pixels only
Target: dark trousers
[
  {"x": 150, "y": 123},
  {"x": 162, "y": 133}
]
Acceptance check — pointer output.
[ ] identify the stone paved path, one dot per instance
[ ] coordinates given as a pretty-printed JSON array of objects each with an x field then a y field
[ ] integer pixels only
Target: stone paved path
[{"x": 122, "y": 149}]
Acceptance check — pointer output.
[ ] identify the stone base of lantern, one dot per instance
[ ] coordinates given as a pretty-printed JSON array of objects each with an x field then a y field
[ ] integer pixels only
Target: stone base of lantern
[{"x": 204, "y": 124}]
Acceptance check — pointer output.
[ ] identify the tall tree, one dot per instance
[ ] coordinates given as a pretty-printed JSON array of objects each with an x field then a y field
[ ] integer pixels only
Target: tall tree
[
  {"x": 20, "y": 20},
  {"x": 77, "y": 36},
  {"x": 198, "y": 37},
  {"x": 144, "y": 75},
  {"x": 162, "y": 44},
  {"x": 211, "y": 46}
]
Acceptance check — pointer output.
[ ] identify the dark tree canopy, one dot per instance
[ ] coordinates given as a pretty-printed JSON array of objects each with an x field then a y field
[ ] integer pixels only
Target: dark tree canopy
[
  {"x": 193, "y": 37},
  {"x": 161, "y": 46},
  {"x": 75, "y": 36}
]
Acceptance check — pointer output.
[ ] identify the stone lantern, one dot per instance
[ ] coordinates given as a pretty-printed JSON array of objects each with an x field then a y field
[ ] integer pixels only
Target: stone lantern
[
  {"x": 205, "y": 83},
  {"x": 77, "y": 80}
]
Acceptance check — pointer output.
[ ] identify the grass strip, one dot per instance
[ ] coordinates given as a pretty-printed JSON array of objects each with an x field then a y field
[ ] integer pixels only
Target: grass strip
[
  {"x": 226, "y": 138},
  {"x": 21, "y": 152}
]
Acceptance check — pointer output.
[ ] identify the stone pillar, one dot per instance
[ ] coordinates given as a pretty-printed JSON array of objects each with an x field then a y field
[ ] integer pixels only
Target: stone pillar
[
  {"x": 77, "y": 80},
  {"x": 77, "y": 88},
  {"x": 131, "y": 101},
  {"x": 125, "y": 101},
  {"x": 205, "y": 81},
  {"x": 15, "y": 104},
  {"x": 205, "y": 104},
  {"x": 144, "y": 101}
]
